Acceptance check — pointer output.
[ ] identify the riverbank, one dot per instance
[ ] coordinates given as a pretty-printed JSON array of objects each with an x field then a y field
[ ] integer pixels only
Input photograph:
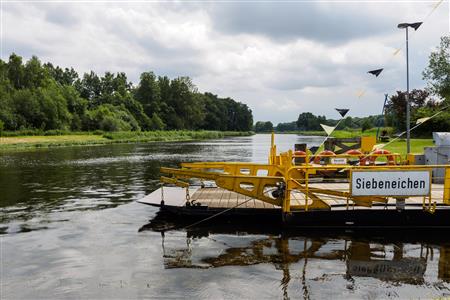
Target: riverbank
[{"x": 99, "y": 138}]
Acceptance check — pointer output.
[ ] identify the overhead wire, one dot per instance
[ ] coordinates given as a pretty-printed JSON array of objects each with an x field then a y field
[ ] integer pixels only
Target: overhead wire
[{"x": 361, "y": 92}]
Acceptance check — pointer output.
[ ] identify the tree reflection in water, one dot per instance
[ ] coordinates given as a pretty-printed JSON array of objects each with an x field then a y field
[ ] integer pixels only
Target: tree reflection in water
[{"x": 396, "y": 258}]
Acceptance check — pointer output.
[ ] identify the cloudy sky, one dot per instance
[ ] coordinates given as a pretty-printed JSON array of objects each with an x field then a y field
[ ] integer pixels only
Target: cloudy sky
[{"x": 280, "y": 58}]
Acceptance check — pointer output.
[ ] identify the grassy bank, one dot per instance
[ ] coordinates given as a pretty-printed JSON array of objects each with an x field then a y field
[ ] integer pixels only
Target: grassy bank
[
  {"x": 12, "y": 141},
  {"x": 417, "y": 146}
]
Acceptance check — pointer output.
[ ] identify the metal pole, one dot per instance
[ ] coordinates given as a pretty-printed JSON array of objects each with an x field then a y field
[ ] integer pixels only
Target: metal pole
[
  {"x": 382, "y": 113},
  {"x": 408, "y": 105}
]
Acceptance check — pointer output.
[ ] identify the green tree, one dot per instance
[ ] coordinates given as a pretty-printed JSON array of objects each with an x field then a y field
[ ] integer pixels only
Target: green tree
[
  {"x": 186, "y": 106},
  {"x": 63, "y": 77},
  {"x": 148, "y": 93},
  {"x": 156, "y": 122},
  {"x": 16, "y": 71},
  {"x": 347, "y": 123},
  {"x": 308, "y": 121},
  {"x": 90, "y": 88},
  {"x": 438, "y": 71},
  {"x": 34, "y": 74},
  {"x": 6, "y": 105},
  {"x": 76, "y": 106},
  {"x": 53, "y": 111},
  {"x": 365, "y": 125},
  {"x": 396, "y": 106},
  {"x": 262, "y": 126},
  {"x": 290, "y": 126},
  {"x": 44, "y": 96},
  {"x": 108, "y": 117}
]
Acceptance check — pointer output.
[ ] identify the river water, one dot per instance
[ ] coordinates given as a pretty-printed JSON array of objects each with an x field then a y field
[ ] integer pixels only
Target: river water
[{"x": 70, "y": 228}]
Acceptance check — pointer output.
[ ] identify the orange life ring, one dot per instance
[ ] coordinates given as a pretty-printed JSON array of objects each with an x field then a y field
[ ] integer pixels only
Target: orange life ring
[
  {"x": 323, "y": 153},
  {"x": 359, "y": 154},
  {"x": 300, "y": 153},
  {"x": 387, "y": 153}
]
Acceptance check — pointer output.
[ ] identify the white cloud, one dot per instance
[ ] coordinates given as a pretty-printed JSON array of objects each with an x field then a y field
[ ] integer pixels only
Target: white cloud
[{"x": 280, "y": 59}]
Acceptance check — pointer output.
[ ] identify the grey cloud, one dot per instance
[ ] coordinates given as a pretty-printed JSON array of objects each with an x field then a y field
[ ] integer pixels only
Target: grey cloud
[
  {"x": 333, "y": 23},
  {"x": 300, "y": 81},
  {"x": 61, "y": 17},
  {"x": 165, "y": 61},
  {"x": 24, "y": 49}
]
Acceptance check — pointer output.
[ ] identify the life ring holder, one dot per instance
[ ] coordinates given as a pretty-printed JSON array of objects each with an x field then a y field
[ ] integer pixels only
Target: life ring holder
[
  {"x": 357, "y": 154},
  {"x": 382, "y": 152},
  {"x": 326, "y": 153}
]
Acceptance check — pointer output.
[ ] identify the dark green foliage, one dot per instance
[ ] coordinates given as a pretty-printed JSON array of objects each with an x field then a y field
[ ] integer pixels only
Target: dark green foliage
[
  {"x": 42, "y": 97},
  {"x": 108, "y": 117},
  {"x": 263, "y": 126},
  {"x": 148, "y": 94},
  {"x": 396, "y": 106},
  {"x": 365, "y": 125},
  {"x": 290, "y": 126},
  {"x": 438, "y": 71},
  {"x": 309, "y": 122},
  {"x": 63, "y": 77},
  {"x": 422, "y": 105},
  {"x": 237, "y": 116},
  {"x": 15, "y": 70}
]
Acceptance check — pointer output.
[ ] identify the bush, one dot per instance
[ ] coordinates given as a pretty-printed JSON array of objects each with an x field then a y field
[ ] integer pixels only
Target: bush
[{"x": 365, "y": 125}]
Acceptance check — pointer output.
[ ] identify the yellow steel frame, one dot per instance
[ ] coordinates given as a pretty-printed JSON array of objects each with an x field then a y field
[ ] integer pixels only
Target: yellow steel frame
[
  {"x": 174, "y": 181},
  {"x": 447, "y": 186},
  {"x": 259, "y": 187},
  {"x": 246, "y": 179}
]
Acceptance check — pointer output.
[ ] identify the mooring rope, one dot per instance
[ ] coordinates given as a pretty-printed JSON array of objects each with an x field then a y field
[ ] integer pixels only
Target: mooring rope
[
  {"x": 217, "y": 214},
  {"x": 210, "y": 217}
]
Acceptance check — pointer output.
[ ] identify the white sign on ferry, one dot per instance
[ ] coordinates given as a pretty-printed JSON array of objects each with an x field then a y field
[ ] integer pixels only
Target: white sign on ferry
[{"x": 390, "y": 183}]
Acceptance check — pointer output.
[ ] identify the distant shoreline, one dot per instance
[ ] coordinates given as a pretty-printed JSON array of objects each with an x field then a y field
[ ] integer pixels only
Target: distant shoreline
[{"x": 20, "y": 142}]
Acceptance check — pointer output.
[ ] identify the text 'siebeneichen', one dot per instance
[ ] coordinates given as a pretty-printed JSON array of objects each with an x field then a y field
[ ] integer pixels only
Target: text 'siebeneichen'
[{"x": 400, "y": 183}]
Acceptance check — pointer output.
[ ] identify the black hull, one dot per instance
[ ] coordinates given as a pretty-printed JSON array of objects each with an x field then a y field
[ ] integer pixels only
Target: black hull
[
  {"x": 412, "y": 218},
  {"x": 370, "y": 218}
]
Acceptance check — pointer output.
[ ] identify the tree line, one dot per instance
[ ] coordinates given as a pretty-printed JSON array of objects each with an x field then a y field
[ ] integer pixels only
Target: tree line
[
  {"x": 307, "y": 121},
  {"x": 47, "y": 97}
]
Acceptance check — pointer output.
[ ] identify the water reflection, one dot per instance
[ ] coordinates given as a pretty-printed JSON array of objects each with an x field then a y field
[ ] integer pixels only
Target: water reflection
[{"x": 386, "y": 258}]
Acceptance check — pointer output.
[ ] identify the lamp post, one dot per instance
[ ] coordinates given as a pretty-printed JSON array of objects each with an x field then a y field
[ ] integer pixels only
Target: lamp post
[{"x": 408, "y": 105}]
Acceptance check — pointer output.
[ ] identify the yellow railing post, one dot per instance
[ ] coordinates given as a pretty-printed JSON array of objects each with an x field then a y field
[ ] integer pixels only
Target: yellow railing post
[
  {"x": 273, "y": 151},
  {"x": 287, "y": 196},
  {"x": 307, "y": 189},
  {"x": 446, "y": 199},
  {"x": 306, "y": 180},
  {"x": 287, "y": 178}
]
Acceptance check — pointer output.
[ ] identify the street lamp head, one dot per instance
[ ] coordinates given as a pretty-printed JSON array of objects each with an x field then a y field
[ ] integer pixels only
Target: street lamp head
[{"x": 413, "y": 25}]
